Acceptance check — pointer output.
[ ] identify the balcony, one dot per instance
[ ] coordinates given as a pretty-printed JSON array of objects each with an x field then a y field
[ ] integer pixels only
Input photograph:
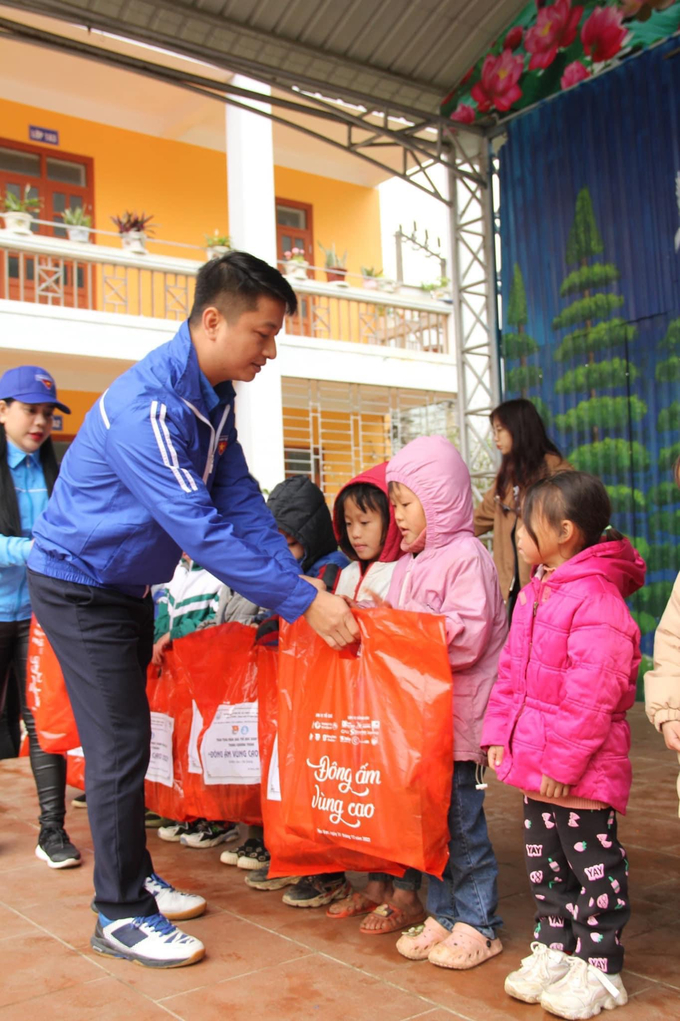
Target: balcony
[{"x": 101, "y": 278}]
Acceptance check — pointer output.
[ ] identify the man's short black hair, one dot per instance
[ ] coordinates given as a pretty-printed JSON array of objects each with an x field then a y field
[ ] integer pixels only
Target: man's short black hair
[{"x": 234, "y": 284}]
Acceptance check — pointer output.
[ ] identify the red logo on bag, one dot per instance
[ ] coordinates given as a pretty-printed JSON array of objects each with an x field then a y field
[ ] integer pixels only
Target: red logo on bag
[{"x": 234, "y": 728}]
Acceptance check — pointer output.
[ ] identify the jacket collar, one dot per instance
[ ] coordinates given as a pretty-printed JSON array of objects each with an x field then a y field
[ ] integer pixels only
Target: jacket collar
[
  {"x": 192, "y": 385},
  {"x": 15, "y": 455}
]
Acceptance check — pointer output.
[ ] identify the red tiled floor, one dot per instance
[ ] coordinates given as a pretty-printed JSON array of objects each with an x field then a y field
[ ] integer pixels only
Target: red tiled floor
[{"x": 286, "y": 963}]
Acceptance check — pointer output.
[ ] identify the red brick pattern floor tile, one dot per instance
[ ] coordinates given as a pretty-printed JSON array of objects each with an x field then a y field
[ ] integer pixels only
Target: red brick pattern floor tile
[{"x": 280, "y": 963}]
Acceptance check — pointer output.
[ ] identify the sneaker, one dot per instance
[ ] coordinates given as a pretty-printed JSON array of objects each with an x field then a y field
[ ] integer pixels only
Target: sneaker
[
  {"x": 583, "y": 992},
  {"x": 209, "y": 834},
  {"x": 259, "y": 880},
  {"x": 151, "y": 940},
  {"x": 174, "y": 831},
  {"x": 537, "y": 972},
  {"x": 172, "y": 903},
  {"x": 153, "y": 821},
  {"x": 251, "y": 855},
  {"x": 55, "y": 848},
  {"x": 317, "y": 891},
  {"x": 79, "y": 802}
]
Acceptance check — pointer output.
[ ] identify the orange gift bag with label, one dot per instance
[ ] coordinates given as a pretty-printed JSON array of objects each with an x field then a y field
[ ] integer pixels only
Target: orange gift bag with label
[
  {"x": 292, "y": 855},
  {"x": 170, "y": 705},
  {"x": 47, "y": 696},
  {"x": 366, "y": 738}
]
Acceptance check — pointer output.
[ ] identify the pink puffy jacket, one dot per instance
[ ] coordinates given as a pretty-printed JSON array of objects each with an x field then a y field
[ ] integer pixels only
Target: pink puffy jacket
[
  {"x": 567, "y": 676},
  {"x": 455, "y": 576}
]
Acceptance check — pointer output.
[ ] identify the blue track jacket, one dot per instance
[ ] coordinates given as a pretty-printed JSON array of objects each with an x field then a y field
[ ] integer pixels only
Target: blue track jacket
[{"x": 156, "y": 469}]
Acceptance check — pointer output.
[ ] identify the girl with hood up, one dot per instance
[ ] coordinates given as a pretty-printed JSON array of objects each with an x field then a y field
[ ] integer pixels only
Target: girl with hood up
[
  {"x": 448, "y": 571},
  {"x": 366, "y": 532},
  {"x": 556, "y": 729}
]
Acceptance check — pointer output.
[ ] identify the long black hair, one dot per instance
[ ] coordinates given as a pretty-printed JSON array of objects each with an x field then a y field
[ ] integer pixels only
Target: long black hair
[
  {"x": 10, "y": 519},
  {"x": 367, "y": 497},
  {"x": 530, "y": 443}
]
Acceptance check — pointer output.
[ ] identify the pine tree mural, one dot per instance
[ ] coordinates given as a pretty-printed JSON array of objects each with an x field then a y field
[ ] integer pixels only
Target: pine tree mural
[
  {"x": 519, "y": 346},
  {"x": 594, "y": 330}
]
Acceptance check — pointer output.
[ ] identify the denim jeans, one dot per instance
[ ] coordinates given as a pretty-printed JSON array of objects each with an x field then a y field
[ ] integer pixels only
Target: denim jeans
[{"x": 468, "y": 891}]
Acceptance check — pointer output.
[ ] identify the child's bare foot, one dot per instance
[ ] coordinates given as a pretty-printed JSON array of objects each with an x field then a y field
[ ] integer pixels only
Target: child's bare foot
[{"x": 400, "y": 912}]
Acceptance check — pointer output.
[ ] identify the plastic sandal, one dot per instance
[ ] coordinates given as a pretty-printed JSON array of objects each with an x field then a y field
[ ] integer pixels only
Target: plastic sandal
[
  {"x": 464, "y": 948},
  {"x": 395, "y": 919},
  {"x": 417, "y": 942},
  {"x": 351, "y": 907}
]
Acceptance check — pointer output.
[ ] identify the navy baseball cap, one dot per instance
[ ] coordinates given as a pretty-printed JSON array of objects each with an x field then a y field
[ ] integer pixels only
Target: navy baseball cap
[{"x": 32, "y": 385}]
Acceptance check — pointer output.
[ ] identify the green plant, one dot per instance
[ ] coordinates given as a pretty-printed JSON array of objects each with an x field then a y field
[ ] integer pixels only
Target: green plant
[
  {"x": 440, "y": 284},
  {"x": 295, "y": 255},
  {"x": 13, "y": 204},
  {"x": 76, "y": 217},
  {"x": 217, "y": 240},
  {"x": 134, "y": 221},
  {"x": 331, "y": 257},
  {"x": 371, "y": 272}
]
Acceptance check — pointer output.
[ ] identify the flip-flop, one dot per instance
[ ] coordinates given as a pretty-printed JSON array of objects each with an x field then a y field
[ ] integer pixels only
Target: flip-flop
[
  {"x": 356, "y": 904},
  {"x": 396, "y": 919}
]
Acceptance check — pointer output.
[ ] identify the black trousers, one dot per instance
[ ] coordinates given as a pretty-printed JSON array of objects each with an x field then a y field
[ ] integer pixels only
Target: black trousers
[
  {"x": 49, "y": 771},
  {"x": 103, "y": 641},
  {"x": 579, "y": 878}
]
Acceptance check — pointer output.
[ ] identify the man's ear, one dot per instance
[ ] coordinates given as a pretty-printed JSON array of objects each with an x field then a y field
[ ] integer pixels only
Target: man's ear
[{"x": 211, "y": 319}]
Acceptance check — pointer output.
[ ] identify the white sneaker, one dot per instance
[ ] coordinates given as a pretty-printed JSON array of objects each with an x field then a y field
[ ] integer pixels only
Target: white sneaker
[
  {"x": 172, "y": 903},
  {"x": 540, "y": 970},
  {"x": 584, "y": 992},
  {"x": 151, "y": 940},
  {"x": 209, "y": 834},
  {"x": 174, "y": 832}
]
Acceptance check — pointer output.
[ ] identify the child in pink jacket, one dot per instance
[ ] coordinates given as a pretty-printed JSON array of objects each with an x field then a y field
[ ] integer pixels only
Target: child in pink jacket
[
  {"x": 556, "y": 728},
  {"x": 448, "y": 571}
]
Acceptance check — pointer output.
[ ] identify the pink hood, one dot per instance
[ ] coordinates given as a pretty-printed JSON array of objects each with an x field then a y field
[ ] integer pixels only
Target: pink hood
[
  {"x": 567, "y": 677},
  {"x": 434, "y": 470},
  {"x": 374, "y": 476},
  {"x": 454, "y": 576}
]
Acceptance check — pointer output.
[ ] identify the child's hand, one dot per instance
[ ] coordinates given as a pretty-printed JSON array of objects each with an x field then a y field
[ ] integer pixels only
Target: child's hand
[
  {"x": 159, "y": 649},
  {"x": 553, "y": 788},
  {"x": 671, "y": 734},
  {"x": 495, "y": 754}
]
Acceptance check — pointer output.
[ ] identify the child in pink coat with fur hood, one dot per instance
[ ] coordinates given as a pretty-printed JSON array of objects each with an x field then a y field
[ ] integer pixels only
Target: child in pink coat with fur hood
[
  {"x": 556, "y": 728},
  {"x": 446, "y": 570}
]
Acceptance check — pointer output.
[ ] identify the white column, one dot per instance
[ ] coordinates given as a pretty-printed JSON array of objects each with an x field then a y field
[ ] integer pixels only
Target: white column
[{"x": 252, "y": 226}]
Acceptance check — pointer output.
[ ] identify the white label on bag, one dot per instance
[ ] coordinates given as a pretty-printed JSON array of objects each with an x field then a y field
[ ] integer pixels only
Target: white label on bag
[
  {"x": 160, "y": 764},
  {"x": 230, "y": 751},
  {"x": 274, "y": 778},
  {"x": 194, "y": 765}
]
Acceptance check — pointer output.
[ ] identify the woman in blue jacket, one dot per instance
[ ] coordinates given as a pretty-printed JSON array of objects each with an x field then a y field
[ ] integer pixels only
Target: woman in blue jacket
[{"x": 28, "y": 470}]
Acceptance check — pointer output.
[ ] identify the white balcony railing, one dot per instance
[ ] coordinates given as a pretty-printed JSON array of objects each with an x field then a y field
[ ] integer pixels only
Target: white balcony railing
[{"x": 56, "y": 272}]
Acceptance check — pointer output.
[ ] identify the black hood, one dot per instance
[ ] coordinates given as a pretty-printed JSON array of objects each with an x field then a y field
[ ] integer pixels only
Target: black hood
[{"x": 299, "y": 508}]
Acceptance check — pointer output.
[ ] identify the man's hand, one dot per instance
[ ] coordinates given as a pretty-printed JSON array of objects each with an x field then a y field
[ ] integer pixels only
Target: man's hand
[
  {"x": 495, "y": 754},
  {"x": 553, "y": 788},
  {"x": 316, "y": 582},
  {"x": 671, "y": 734},
  {"x": 159, "y": 648},
  {"x": 332, "y": 619}
]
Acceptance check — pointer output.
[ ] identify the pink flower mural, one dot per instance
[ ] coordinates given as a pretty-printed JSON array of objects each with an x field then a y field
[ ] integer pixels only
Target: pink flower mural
[
  {"x": 602, "y": 34},
  {"x": 573, "y": 74},
  {"x": 498, "y": 85},
  {"x": 556, "y": 28},
  {"x": 464, "y": 114}
]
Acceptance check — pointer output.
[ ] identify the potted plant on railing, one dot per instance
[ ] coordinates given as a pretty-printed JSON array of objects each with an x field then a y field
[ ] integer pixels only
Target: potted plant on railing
[
  {"x": 294, "y": 264},
  {"x": 336, "y": 268},
  {"x": 17, "y": 212},
  {"x": 217, "y": 244},
  {"x": 371, "y": 277},
  {"x": 439, "y": 289},
  {"x": 78, "y": 224},
  {"x": 133, "y": 230}
]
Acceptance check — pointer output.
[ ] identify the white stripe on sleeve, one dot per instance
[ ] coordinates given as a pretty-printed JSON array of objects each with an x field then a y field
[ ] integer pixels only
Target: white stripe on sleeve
[{"x": 161, "y": 446}]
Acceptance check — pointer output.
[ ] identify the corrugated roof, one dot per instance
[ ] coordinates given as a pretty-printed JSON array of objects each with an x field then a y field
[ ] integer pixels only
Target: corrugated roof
[{"x": 402, "y": 53}]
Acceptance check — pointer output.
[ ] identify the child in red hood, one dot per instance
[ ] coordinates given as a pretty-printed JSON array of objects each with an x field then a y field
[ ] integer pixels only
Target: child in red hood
[{"x": 556, "y": 728}]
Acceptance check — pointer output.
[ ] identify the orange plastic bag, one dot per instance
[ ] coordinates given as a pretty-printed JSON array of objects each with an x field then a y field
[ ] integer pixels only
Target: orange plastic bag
[
  {"x": 47, "y": 696},
  {"x": 170, "y": 705},
  {"x": 292, "y": 855},
  {"x": 75, "y": 768},
  {"x": 366, "y": 738}
]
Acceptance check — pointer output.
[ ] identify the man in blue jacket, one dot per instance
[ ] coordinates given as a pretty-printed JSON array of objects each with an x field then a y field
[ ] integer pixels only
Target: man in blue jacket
[{"x": 155, "y": 470}]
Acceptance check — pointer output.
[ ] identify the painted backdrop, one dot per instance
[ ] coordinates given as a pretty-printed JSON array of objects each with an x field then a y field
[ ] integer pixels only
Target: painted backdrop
[{"x": 590, "y": 213}]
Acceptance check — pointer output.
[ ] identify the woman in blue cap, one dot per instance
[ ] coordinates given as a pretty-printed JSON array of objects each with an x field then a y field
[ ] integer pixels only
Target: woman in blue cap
[{"x": 28, "y": 470}]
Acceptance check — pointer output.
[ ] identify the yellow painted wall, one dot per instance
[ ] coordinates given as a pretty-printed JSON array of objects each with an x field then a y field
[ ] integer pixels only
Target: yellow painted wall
[
  {"x": 80, "y": 402},
  {"x": 185, "y": 186},
  {"x": 346, "y": 214}
]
